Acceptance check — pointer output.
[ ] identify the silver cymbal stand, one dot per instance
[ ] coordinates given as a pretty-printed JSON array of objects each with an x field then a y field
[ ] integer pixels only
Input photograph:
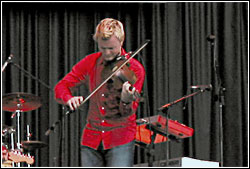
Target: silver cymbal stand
[
  {"x": 28, "y": 138},
  {"x": 12, "y": 144},
  {"x": 17, "y": 113}
]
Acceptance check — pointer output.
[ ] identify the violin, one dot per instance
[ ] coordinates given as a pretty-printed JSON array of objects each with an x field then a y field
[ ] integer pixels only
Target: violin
[{"x": 122, "y": 75}]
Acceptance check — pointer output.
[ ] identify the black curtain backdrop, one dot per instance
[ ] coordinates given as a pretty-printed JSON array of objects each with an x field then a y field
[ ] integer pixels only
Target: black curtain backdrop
[{"x": 47, "y": 39}]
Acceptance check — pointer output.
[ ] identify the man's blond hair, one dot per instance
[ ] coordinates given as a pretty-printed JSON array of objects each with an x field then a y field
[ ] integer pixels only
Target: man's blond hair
[{"x": 108, "y": 27}]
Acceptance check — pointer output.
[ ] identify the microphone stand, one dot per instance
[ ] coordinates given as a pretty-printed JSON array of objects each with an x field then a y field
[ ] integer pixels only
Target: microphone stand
[
  {"x": 219, "y": 95},
  {"x": 44, "y": 84},
  {"x": 164, "y": 110}
]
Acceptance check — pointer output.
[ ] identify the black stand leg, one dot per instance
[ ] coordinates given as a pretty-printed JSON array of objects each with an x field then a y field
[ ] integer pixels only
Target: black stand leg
[
  {"x": 165, "y": 111},
  {"x": 218, "y": 94},
  {"x": 150, "y": 150}
]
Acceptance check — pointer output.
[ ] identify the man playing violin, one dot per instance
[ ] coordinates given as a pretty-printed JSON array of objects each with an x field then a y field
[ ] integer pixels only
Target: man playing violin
[{"x": 108, "y": 137}]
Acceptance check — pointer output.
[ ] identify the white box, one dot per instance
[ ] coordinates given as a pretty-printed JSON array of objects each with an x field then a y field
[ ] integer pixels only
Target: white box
[
  {"x": 191, "y": 162},
  {"x": 182, "y": 162}
]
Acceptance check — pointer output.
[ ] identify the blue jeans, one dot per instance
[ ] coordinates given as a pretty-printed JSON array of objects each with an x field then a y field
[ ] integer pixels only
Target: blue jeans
[{"x": 120, "y": 156}]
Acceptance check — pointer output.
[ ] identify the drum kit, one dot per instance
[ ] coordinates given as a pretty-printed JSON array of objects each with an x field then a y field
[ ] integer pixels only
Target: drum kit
[{"x": 12, "y": 153}]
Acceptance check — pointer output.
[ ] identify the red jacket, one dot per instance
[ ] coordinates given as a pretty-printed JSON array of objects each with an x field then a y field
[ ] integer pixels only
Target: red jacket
[{"x": 108, "y": 120}]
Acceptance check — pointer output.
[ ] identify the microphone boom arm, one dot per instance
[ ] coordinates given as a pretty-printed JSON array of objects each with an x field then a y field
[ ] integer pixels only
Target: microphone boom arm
[
  {"x": 33, "y": 77},
  {"x": 180, "y": 99}
]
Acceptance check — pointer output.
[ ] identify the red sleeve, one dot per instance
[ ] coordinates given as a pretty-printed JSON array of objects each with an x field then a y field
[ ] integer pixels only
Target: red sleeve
[{"x": 79, "y": 72}]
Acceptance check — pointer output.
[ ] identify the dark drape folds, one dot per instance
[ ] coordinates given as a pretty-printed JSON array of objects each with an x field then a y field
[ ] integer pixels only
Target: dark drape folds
[{"x": 191, "y": 43}]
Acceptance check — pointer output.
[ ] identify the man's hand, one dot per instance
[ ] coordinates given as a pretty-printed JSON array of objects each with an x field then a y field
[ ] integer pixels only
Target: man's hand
[
  {"x": 75, "y": 102},
  {"x": 128, "y": 93}
]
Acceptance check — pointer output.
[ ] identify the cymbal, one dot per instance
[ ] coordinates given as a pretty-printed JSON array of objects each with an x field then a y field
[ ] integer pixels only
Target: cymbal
[
  {"x": 31, "y": 144},
  {"x": 27, "y": 102}
]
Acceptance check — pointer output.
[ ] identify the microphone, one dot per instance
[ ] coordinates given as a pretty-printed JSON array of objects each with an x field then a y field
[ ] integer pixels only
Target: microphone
[
  {"x": 51, "y": 128},
  {"x": 202, "y": 87},
  {"x": 7, "y": 62},
  {"x": 211, "y": 38}
]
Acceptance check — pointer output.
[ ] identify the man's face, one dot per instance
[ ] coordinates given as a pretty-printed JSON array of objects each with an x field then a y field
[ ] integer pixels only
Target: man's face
[{"x": 109, "y": 48}]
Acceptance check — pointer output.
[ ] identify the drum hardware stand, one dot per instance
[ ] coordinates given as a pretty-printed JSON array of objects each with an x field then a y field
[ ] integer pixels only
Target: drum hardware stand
[
  {"x": 35, "y": 78},
  {"x": 164, "y": 110},
  {"x": 29, "y": 75},
  {"x": 28, "y": 138},
  {"x": 12, "y": 145},
  {"x": 17, "y": 113}
]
